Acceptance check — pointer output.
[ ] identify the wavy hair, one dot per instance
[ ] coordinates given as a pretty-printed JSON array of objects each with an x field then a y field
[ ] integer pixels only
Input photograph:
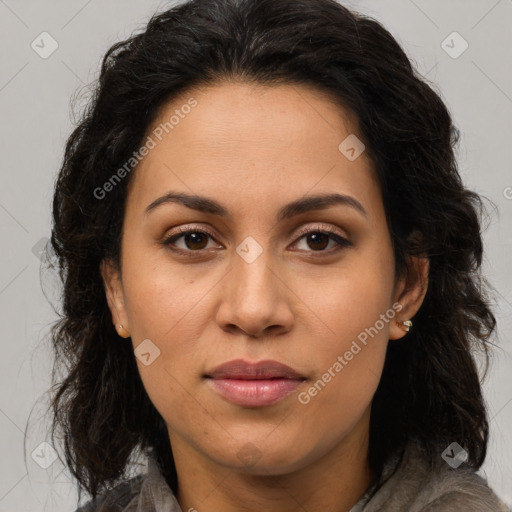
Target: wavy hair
[{"x": 430, "y": 389}]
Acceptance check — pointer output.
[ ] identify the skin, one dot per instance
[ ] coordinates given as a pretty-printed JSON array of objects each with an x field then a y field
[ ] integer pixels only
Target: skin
[{"x": 254, "y": 149}]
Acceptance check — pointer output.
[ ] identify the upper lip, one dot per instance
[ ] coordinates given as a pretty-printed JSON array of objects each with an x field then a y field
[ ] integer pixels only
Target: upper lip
[{"x": 243, "y": 370}]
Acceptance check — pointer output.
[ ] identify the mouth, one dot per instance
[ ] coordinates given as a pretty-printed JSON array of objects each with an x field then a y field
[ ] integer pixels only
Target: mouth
[{"x": 253, "y": 384}]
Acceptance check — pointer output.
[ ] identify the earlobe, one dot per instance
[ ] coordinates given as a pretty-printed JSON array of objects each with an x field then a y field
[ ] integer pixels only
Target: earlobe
[
  {"x": 114, "y": 295},
  {"x": 399, "y": 329},
  {"x": 412, "y": 292}
]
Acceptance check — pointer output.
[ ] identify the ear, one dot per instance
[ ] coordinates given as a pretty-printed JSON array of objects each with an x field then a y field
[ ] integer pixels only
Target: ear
[
  {"x": 115, "y": 297},
  {"x": 410, "y": 292}
]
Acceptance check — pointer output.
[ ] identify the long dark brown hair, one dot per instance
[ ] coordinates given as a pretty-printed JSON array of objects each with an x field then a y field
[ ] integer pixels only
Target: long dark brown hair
[{"x": 430, "y": 389}]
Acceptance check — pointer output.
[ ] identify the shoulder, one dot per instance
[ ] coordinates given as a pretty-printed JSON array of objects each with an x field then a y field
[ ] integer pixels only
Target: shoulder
[
  {"x": 146, "y": 491},
  {"x": 117, "y": 499},
  {"x": 460, "y": 489},
  {"x": 418, "y": 487}
]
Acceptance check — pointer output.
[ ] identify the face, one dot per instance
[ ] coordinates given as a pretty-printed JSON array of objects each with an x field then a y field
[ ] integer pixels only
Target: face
[{"x": 245, "y": 276}]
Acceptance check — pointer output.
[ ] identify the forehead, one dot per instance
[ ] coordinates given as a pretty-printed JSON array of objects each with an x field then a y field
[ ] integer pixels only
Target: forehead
[{"x": 266, "y": 142}]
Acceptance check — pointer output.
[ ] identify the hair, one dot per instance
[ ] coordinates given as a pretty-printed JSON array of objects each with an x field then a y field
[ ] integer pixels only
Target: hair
[{"x": 430, "y": 390}]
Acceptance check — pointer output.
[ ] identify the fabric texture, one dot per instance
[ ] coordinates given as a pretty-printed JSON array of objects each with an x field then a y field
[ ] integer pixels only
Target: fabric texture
[{"x": 415, "y": 487}]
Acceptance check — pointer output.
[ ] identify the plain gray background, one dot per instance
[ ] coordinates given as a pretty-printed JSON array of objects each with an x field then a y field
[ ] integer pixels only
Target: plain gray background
[{"x": 35, "y": 94}]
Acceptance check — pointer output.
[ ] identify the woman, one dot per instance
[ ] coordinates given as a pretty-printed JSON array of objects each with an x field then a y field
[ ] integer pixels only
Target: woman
[{"x": 271, "y": 273}]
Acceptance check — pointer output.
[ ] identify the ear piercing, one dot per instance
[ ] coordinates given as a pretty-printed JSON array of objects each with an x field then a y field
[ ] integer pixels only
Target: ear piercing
[
  {"x": 121, "y": 328},
  {"x": 406, "y": 325}
]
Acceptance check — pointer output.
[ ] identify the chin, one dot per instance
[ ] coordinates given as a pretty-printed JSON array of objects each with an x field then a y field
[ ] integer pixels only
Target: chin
[{"x": 262, "y": 459}]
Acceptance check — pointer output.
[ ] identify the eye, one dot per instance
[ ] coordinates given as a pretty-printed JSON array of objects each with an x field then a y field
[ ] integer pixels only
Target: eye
[
  {"x": 194, "y": 240},
  {"x": 319, "y": 238}
]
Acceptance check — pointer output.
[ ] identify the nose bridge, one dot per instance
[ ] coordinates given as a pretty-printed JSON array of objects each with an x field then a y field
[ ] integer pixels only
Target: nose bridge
[
  {"x": 252, "y": 278},
  {"x": 253, "y": 298}
]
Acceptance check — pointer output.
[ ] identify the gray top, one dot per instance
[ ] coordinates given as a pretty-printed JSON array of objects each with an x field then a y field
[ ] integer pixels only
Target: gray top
[{"x": 415, "y": 487}]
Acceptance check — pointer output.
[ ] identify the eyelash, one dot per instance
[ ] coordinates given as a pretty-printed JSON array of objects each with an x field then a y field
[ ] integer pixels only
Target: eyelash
[{"x": 342, "y": 242}]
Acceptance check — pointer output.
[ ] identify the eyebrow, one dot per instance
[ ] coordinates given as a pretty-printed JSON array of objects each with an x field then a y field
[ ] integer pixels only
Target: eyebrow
[{"x": 303, "y": 205}]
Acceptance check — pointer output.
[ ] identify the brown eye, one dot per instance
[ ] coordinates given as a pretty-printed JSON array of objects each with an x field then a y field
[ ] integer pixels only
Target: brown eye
[
  {"x": 317, "y": 240},
  {"x": 194, "y": 240}
]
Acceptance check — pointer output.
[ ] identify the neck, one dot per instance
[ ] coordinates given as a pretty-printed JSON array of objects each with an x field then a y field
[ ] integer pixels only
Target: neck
[{"x": 334, "y": 482}]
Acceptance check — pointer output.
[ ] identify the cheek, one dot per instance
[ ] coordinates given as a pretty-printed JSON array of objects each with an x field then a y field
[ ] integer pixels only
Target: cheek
[
  {"x": 162, "y": 299},
  {"x": 355, "y": 315},
  {"x": 176, "y": 401},
  {"x": 348, "y": 301},
  {"x": 348, "y": 372}
]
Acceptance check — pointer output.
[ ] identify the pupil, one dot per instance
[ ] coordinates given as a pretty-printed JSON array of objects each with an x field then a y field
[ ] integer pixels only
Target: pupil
[
  {"x": 315, "y": 239},
  {"x": 194, "y": 238}
]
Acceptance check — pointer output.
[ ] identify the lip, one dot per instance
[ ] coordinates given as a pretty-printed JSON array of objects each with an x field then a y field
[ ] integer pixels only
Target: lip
[
  {"x": 244, "y": 370},
  {"x": 253, "y": 384}
]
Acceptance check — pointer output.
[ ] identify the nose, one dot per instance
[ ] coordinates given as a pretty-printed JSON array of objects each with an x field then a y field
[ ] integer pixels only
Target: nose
[{"x": 255, "y": 299}]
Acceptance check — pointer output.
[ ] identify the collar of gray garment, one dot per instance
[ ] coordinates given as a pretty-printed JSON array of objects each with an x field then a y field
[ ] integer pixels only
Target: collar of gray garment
[
  {"x": 156, "y": 496},
  {"x": 414, "y": 487}
]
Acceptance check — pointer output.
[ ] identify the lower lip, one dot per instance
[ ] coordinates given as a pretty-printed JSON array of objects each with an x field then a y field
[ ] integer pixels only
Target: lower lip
[{"x": 254, "y": 393}]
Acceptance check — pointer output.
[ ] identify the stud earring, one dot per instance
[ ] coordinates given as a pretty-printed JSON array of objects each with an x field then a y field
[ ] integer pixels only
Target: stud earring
[
  {"x": 121, "y": 328},
  {"x": 407, "y": 324}
]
